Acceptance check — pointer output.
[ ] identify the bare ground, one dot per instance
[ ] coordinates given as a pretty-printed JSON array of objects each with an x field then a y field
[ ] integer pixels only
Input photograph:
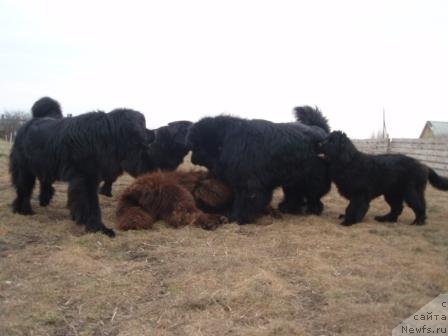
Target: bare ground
[{"x": 290, "y": 276}]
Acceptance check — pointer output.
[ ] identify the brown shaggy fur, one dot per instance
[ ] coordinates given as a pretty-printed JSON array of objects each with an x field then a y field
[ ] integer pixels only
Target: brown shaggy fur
[{"x": 174, "y": 197}]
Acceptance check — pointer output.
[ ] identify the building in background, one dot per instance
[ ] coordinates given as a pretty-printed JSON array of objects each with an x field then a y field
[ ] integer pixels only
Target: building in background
[{"x": 434, "y": 129}]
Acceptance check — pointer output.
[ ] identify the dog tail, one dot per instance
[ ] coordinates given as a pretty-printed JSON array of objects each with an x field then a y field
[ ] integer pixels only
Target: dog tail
[
  {"x": 312, "y": 117},
  {"x": 437, "y": 181},
  {"x": 46, "y": 107}
]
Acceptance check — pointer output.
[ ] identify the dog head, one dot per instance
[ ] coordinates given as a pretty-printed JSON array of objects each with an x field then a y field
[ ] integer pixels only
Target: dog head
[
  {"x": 46, "y": 107},
  {"x": 205, "y": 139},
  {"x": 170, "y": 147},
  {"x": 337, "y": 147},
  {"x": 131, "y": 137}
]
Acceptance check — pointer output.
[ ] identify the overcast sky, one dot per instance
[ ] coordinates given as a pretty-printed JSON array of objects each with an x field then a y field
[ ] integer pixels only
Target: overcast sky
[{"x": 256, "y": 59}]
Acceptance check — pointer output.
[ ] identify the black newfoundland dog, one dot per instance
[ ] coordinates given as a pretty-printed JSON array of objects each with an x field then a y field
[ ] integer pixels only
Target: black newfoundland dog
[
  {"x": 361, "y": 177},
  {"x": 81, "y": 150},
  {"x": 256, "y": 156},
  {"x": 166, "y": 151}
]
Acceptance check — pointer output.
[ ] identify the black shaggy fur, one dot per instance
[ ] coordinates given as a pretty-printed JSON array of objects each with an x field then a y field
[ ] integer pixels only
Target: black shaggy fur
[
  {"x": 81, "y": 150},
  {"x": 167, "y": 148},
  {"x": 361, "y": 177},
  {"x": 303, "y": 195},
  {"x": 46, "y": 107},
  {"x": 256, "y": 156},
  {"x": 145, "y": 166}
]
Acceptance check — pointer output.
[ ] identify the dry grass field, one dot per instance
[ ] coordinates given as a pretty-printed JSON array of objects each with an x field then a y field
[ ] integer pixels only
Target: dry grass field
[{"x": 290, "y": 276}]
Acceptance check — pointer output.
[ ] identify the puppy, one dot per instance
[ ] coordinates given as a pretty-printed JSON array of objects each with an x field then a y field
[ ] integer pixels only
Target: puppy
[
  {"x": 255, "y": 156},
  {"x": 174, "y": 197},
  {"x": 361, "y": 177},
  {"x": 79, "y": 150}
]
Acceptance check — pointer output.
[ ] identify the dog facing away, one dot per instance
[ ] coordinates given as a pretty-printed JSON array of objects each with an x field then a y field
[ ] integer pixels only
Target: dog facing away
[
  {"x": 361, "y": 177},
  {"x": 79, "y": 150},
  {"x": 174, "y": 197},
  {"x": 166, "y": 150},
  {"x": 256, "y": 156},
  {"x": 46, "y": 107}
]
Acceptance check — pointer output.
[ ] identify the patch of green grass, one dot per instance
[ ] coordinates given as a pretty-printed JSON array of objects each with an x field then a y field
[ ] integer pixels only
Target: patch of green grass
[
  {"x": 417, "y": 249},
  {"x": 338, "y": 295},
  {"x": 434, "y": 209},
  {"x": 51, "y": 318}
]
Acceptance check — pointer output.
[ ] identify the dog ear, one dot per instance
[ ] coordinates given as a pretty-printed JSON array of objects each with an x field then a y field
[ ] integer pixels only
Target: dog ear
[{"x": 346, "y": 148}]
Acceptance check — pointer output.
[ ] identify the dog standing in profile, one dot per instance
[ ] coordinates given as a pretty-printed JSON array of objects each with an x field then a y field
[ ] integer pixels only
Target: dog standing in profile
[
  {"x": 178, "y": 198},
  {"x": 80, "y": 150},
  {"x": 255, "y": 156},
  {"x": 361, "y": 177},
  {"x": 166, "y": 151}
]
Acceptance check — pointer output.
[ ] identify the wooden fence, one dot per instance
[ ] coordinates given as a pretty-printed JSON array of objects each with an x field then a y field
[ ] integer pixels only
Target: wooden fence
[{"x": 432, "y": 152}]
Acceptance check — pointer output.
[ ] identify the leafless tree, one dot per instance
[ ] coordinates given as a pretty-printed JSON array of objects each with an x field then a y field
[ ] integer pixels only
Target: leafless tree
[{"x": 10, "y": 121}]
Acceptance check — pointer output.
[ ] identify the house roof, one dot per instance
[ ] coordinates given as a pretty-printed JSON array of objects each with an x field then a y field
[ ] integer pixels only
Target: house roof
[{"x": 438, "y": 128}]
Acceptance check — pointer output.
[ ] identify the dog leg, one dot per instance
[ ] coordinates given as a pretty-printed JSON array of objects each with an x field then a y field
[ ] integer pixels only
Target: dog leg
[
  {"x": 416, "y": 201},
  {"x": 396, "y": 208},
  {"x": 23, "y": 181},
  {"x": 314, "y": 206},
  {"x": 355, "y": 212},
  {"x": 293, "y": 201},
  {"x": 46, "y": 193},
  {"x": 249, "y": 204},
  {"x": 84, "y": 204}
]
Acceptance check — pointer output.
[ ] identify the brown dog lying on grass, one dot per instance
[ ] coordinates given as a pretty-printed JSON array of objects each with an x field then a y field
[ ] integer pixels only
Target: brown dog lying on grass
[{"x": 178, "y": 198}]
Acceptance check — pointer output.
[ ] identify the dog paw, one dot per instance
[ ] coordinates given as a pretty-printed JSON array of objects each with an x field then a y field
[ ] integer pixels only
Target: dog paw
[
  {"x": 341, "y": 216},
  {"x": 385, "y": 218},
  {"x": 108, "y": 232},
  {"x": 24, "y": 212},
  {"x": 418, "y": 222},
  {"x": 346, "y": 223},
  {"x": 104, "y": 230},
  {"x": 27, "y": 212}
]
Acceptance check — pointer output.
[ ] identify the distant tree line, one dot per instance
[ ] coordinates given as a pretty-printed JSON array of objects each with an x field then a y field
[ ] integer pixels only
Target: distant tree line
[{"x": 10, "y": 121}]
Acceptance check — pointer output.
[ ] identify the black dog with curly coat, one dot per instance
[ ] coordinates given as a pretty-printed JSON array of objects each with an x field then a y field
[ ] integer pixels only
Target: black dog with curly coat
[
  {"x": 80, "y": 150},
  {"x": 361, "y": 177},
  {"x": 166, "y": 151},
  {"x": 256, "y": 156}
]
